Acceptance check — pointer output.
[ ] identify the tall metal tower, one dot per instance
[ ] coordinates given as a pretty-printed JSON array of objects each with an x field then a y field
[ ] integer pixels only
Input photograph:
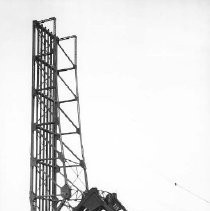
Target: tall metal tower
[{"x": 58, "y": 177}]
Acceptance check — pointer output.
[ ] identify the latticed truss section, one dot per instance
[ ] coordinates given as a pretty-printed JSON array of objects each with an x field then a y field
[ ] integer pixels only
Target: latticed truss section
[
  {"x": 58, "y": 171},
  {"x": 58, "y": 178}
]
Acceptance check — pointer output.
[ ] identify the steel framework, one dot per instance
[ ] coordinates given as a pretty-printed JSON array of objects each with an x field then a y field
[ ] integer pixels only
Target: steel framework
[{"x": 58, "y": 177}]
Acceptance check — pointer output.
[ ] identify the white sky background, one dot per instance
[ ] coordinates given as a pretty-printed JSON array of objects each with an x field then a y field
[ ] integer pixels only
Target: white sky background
[{"x": 144, "y": 91}]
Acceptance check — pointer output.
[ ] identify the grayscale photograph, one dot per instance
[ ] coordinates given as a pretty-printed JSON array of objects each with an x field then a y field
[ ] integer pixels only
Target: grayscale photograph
[{"x": 105, "y": 105}]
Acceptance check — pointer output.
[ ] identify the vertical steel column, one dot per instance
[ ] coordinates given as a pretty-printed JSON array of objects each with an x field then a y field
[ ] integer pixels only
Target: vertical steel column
[
  {"x": 51, "y": 120},
  {"x": 32, "y": 118},
  {"x": 55, "y": 116},
  {"x": 78, "y": 111}
]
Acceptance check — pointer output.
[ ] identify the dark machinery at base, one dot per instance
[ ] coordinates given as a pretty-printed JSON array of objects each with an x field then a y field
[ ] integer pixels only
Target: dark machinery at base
[
  {"x": 58, "y": 177},
  {"x": 95, "y": 200}
]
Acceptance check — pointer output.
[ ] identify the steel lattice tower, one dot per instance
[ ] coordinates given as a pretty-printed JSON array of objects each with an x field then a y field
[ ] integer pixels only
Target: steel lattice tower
[{"x": 58, "y": 178}]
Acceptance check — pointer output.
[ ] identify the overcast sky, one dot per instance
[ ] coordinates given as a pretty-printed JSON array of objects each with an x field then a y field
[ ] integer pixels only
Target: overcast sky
[{"x": 144, "y": 77}]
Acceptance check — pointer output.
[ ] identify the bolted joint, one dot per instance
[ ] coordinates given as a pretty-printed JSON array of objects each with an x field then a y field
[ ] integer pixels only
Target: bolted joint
[
  {"x": 34, "y": 92},
  {"x": 61, "y": 157},
  {"x": 82, "y": 164},
  {"x": 78, "y": 130},
  {"x": 57, "y": 169},
  {"x": 34, "y": 126},
  {"x": 55, "y": 199},
  {"x": 57, "y": 136},
  {"x": 57, "y": 119},
  {"x": 32, "y": 197},
  {"x": 57, "y": 40},
  {"x": 35, "y": 22},
  {"x": 66, "y": 191},
  {"x": 57, "y": 103},
  {"x": 33, "y": 161}
]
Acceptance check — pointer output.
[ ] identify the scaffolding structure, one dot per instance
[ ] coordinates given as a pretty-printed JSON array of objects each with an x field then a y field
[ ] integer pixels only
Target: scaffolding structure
[{"x": 58, "y": 177}]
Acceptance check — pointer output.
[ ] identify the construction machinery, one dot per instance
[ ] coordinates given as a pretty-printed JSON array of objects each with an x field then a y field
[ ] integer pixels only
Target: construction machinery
[{"x": 58, "y": 176}]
